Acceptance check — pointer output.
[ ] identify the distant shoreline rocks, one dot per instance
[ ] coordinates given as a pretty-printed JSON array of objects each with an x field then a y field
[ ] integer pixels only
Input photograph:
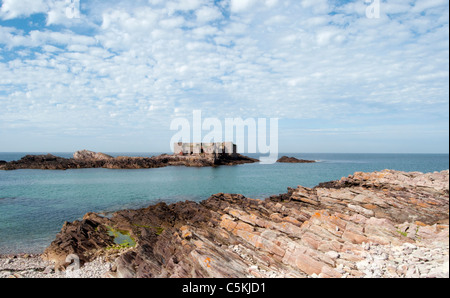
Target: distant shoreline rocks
[
  {"x": 286, "y": 159},
  {"x": 89, "y": 155},
  {"x": 88, "y": 160}
]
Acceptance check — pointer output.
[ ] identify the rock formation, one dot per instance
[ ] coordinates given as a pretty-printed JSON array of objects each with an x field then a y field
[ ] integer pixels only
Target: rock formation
[
  {"x": 89, "y": 155},
  {"x": 89, "y": 159},
  {"x": 45, "y": 162},
  {"x": 286, "y": 159},
  {"x": 358, "y": 226}
]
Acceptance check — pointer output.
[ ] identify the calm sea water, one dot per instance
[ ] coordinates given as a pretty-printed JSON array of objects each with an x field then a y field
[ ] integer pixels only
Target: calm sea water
[{"x": 34, "y": 204}]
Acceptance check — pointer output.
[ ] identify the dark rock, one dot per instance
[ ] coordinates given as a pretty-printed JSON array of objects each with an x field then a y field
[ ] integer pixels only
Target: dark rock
[
  {"x": 286, "y": 159},
  {"x": 89, "y": 159},
  {"x": 85, "y": 238}
]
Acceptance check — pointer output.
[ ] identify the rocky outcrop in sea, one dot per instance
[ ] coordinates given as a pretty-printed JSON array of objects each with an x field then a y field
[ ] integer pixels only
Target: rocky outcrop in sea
[
  {"x": 88, "y": 159},
  {"x": 382, "y": 224},
  {"x": 286, "y": 159}
]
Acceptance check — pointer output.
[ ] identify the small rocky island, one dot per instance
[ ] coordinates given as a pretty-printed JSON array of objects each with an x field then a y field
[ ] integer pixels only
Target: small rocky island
[
  {"x": 382, "y": 224},
  {"x": 286, "y": 159},
  {"x": 88, "y": 159}
]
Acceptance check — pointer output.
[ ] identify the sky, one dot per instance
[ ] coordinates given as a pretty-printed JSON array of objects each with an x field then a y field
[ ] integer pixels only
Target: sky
[{"x": 114, "y": 76}]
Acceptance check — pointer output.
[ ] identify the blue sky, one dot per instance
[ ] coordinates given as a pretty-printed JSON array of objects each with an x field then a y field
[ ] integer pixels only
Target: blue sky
[{"x": 114, "y": 79}]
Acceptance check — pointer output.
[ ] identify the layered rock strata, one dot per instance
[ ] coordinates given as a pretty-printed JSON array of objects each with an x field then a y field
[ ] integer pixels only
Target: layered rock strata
[{"x": 347, "y": 228}]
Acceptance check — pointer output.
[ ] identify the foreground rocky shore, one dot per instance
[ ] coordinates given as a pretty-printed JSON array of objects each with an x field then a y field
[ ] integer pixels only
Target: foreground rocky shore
[
  {"x": 385, "y": 224},
  {"x": 88, "y": 159}
]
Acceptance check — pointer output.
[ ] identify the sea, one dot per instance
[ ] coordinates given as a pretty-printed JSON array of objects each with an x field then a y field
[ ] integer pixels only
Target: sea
[{"x": 34, "y": 204}]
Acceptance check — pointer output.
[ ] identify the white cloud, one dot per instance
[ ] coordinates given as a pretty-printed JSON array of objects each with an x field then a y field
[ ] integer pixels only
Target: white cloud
[
  {"x": 276, "y": 20},
  {"x": 242, "y": 5},
  {"x": 239, "y": 6},
  {"x": 184, "y": 5},
  {"x": 11, "y": 9},
  {"x": 207, "y": 14},
  {"x": 58, "y": 12},
  {"x": 140, "y": 62},
  {"x": 317, "y": 6},
  {"x": 423, "y": 5},
  {"x": 172, "y": 23}
]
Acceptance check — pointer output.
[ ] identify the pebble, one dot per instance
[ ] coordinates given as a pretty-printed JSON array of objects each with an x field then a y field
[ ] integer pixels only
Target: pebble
[
  {"x": 332, "y": 254},
  {"x": 407, "y": 261},
  {"x": 35, "y": 267}
]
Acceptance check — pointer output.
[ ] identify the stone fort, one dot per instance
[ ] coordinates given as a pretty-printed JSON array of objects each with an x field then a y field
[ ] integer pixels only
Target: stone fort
[{"x": 205, "y": 148}]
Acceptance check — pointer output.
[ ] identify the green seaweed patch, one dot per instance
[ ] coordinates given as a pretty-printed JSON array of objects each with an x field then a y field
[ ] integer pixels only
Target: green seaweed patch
[
  {"x": 122, "y": 239},
  {"x": 119, "y": 247},
  {"x": 402, "y": 233},
  {"x": 159, "y": 230}
]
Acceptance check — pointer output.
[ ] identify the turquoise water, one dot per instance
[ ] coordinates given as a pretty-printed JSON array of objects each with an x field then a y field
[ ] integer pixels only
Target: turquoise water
[{"x": 34, "y": 204}]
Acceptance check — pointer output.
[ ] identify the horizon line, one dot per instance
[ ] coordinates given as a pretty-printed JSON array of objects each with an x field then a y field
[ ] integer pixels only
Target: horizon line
[{"x": 441, "y": 153}]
